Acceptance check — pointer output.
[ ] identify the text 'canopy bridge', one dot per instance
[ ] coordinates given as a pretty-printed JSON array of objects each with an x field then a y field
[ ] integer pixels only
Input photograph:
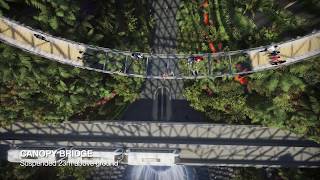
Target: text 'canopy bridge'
[
  {"x": 196, "y": 143},
  {"x": 122, "y": 63}
]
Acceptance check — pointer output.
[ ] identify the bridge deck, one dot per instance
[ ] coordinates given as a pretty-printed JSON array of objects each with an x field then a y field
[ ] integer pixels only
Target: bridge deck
[
  {"x": 69, "y": 52},
  {"x": 289, "y": 51},
  {"x": 233, "y": 145},
  {"x": 24, "y": 38}
]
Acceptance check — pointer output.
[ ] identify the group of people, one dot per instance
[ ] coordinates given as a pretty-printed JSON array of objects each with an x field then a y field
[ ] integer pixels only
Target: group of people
[
  {"x": 84, "y": 55},
  {"x": 168, "y": 72},
  {"x": 274, "y": 55},
  {"x": 192, "y": 60}
]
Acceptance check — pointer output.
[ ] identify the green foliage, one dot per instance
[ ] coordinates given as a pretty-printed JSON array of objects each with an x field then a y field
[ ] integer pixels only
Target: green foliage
[
  {"x": 222, "y": 32},
  {"x": 4, "y": 5},
  {"x": 236, "y": 24},
  {"x": 248, "y": 173},
  {"x": 91, "y": 22},
  {"x": 13, "y": 171},
  {"x": 126, "y": 87},
  {"x": 246, "y": 24},
  {"x": 32, "y": 92},
  {"x": 225, "y": 104},
  {"x": 298, "y": 174},
  {"x": 76, "y": 172},
  {"x": 35, "y": 89},
  {"x": 286, "y": 98},
  {"x": 188, "y": 20}
]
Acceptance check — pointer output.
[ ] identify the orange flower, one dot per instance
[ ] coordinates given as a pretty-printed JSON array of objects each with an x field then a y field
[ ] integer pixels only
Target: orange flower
[
  {"x": 206, "y": 18},
  {"x": 241, "y": 79},
  {"x": 236, "y": 78},
  {"x": 104, "y": 100},
  {"x": 212, "y": 48}
]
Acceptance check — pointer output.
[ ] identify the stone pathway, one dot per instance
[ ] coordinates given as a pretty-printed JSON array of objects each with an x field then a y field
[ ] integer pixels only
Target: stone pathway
[
  {"x": 164, "y": 42},
  {"x": 159, "y": 98}
]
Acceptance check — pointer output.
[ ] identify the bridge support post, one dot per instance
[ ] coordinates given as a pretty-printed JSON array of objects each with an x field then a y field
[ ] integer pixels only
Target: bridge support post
[
  {"x": 209, "y": 64},
  {"x": 125, "y": 64},
  {"x": 104, "y": 64},
  {"x": 230, "y": 65},
  {"x": 147, "y": 62}
]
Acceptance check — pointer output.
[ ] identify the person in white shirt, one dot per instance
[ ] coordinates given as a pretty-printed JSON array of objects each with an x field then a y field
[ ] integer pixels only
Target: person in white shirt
[
  {"x": 272, "y": 49},
  {"x": 136, "y": 56}
]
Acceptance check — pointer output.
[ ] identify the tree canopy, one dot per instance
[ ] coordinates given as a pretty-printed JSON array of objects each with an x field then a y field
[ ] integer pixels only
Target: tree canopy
[
  {"x": 35, "y": 89},
  {"x": 287, "y": 97}
]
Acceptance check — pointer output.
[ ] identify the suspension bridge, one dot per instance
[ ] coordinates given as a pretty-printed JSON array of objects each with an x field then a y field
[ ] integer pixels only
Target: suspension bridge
[
  {"x": 198, "y": 144},
  {"x": 117, "y": 62}
]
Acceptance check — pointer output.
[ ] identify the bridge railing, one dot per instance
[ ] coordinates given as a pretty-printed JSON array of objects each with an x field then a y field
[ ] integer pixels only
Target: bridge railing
[
  {"x": 198, "y": 143},
  {"x": 117, "y": 62}
]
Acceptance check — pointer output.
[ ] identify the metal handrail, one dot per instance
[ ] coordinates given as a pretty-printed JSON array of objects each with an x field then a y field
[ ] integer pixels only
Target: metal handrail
[{"x": 152, "y": 56}]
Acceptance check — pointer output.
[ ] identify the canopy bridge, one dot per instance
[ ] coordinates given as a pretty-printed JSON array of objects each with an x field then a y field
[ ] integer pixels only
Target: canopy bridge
[
  {"x": 197, "y": 143},
  {"x": 117, "y": 62}
]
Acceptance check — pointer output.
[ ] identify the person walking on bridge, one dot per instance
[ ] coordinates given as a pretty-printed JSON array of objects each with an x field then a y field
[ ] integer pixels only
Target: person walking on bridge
[
  {"x": 136, "y": 56},
  {"x": 193, "y": 59},
  {"x": 38, "y": 36},
  {"x": 271, "y": 49}
]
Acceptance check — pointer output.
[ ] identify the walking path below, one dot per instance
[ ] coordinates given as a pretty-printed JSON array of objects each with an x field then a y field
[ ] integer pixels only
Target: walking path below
[{"x": 163, "y": 100}]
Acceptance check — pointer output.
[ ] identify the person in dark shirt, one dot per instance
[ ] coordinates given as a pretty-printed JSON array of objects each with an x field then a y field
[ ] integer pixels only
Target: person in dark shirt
[
  {"x": 40, "y": 37},
  {"x": 193, "y": 59}
]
